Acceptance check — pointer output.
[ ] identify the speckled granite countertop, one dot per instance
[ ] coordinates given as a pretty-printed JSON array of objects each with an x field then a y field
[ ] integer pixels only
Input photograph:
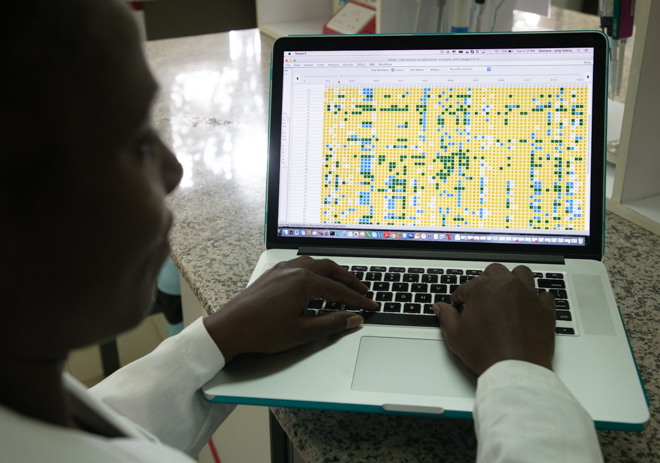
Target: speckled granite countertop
[{"x": 212, "y": 109}]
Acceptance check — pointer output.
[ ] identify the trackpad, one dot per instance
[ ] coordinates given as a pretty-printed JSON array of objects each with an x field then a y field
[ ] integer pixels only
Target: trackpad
[{"x": 411, "y": 366}]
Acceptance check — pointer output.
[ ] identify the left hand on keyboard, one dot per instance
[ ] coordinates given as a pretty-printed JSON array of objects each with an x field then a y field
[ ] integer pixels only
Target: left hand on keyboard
[{"x": 269, "y": 316}]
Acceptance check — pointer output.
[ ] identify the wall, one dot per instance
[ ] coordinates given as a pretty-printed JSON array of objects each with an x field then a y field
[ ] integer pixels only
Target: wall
[{"x": 178, "y": 18}]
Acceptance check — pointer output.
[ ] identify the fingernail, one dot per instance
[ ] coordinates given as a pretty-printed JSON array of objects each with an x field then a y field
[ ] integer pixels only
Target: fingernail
[{"x": 353, "y": 322}]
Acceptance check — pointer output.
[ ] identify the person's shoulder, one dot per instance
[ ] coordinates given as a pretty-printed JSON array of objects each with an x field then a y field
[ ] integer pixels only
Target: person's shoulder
[{"x": 24, "y": 439}]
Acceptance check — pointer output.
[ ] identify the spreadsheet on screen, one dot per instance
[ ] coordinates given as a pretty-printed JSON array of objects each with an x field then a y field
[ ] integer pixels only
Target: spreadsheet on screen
[{"x": 496, "y": 141}]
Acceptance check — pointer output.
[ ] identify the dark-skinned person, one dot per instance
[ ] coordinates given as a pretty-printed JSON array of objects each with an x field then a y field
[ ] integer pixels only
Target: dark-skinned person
[{"x": 84, "y": 234}]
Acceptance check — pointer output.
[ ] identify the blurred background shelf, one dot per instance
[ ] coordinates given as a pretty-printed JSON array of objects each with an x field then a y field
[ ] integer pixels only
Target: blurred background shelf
[
  {"x": 635, "y": 189},
  {"x": 279, "y": 18}
]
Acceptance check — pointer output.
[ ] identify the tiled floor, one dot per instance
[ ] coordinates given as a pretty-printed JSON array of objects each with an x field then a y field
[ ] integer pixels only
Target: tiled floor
[{"x": 243, "y": 438}]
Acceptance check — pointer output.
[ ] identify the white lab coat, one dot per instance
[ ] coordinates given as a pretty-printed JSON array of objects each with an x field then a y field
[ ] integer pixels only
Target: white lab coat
[{"x": 522, "y": 413}]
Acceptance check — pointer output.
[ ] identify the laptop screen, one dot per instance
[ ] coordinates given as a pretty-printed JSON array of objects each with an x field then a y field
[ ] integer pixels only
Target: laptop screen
[{"x": 442, "y": 145}]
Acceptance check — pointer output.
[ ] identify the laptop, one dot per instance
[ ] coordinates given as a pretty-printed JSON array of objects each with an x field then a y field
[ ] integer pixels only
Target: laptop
[{"x": 415, "y": 161}]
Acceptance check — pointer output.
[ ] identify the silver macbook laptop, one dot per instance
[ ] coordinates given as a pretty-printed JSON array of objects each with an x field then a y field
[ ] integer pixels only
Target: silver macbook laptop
[{"x": 416, "y": 161}]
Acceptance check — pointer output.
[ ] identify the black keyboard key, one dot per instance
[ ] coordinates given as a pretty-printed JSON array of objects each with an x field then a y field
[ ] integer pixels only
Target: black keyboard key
[
  {"x": 559, "y": 330},
  {"x": 415, "y": 270},
  {"x": 410, "y": 277},
  {"x": 369, "y": 295},
  {"x": 448, "y": 279},
  {"x": 538, "y": 275},
  {"x": 383, "y": 296},
  {"x": 394, "y": 319},
  {"x": 420, "y": 288},
  {"x": 563, "y": 315},
  {"x": 435, "y": 271},
  {"x": 547, "y": 283},
  {"x": 442, "y": 289},
  {"x": 559, "y": 276},
  {"x": 465, "y": 278},
  {"x": 403, "y": 297},
  {"x": 345, "y": 267},
  {"x": 330, "y": 305},
  {"x": 442, "y": 298},
  {"x": 429, "y": 278},
  {"x": 428, "y": 309},
  {"x": 359, "y": 268},
  {"x": 393, "y": 307},
  {"x": 375, "y": 268},
  {"x": 359, "y": 275},
  {"x": 315, "y": 304},
  {"x": 397, "y": 269},
  {"x": 474, "y": 272},
  {"x": 367, "y": 284},
  {"x": 381, "y": 286},
  {"x": 374, "y": 276},
  {"x": 453, "y": 288},
  {"x": 310, "y": 313},
  {"x": 562, "y": 304},
  {"x": 400, "y": 287},
  {"x": 423, "y": 298},
  {"x": 453, "y": 271},
  {"x": 392, "y": 277},
  {"x": 559, "y": 293},
  {"x": 540, "y": 290},
  {"x": 412, "y": 308}
]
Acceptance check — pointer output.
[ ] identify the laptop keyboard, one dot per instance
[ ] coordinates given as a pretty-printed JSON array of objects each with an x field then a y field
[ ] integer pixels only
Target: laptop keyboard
[{"x": 406, "y": 294}]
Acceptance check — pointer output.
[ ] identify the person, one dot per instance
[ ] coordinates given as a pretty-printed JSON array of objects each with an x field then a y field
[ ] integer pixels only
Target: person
[{"x": 84, "y": 234}]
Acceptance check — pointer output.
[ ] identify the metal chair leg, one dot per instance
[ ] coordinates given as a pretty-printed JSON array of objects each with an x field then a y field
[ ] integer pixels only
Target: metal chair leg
[
  {"x": 281, "y": 449},
  {"x": 109, "y": 357}
]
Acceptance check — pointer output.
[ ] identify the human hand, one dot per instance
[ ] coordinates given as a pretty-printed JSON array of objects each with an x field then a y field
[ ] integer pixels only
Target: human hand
[
  {"x": 502, "y": 319},
  {"x": 269, "y": 316}
]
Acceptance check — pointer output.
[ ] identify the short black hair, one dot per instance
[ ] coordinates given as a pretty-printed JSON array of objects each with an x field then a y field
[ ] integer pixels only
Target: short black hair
[
  {"x": 49, "y": 48},
  {"x": 38, "y": 38}
]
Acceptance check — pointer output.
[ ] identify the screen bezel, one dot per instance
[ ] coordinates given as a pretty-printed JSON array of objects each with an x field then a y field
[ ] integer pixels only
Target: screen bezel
[{"x": 593, "y": 39}]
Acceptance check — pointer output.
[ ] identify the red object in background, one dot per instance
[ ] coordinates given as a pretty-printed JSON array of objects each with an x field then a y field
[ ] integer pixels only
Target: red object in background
[
  {"x": 624, "y": 22},
  {"x": 136, "y": 6},
  {"x": 352, "y": 18},
  {"x": 214, "y": 451}
]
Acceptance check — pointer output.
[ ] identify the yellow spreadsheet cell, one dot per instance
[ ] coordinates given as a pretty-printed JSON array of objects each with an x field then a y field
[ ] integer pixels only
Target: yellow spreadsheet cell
[{"x": 476, "y": 157}]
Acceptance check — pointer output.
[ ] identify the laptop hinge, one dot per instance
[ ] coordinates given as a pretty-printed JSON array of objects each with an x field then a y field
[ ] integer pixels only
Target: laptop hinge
[{"x": 433, "y": 255}]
